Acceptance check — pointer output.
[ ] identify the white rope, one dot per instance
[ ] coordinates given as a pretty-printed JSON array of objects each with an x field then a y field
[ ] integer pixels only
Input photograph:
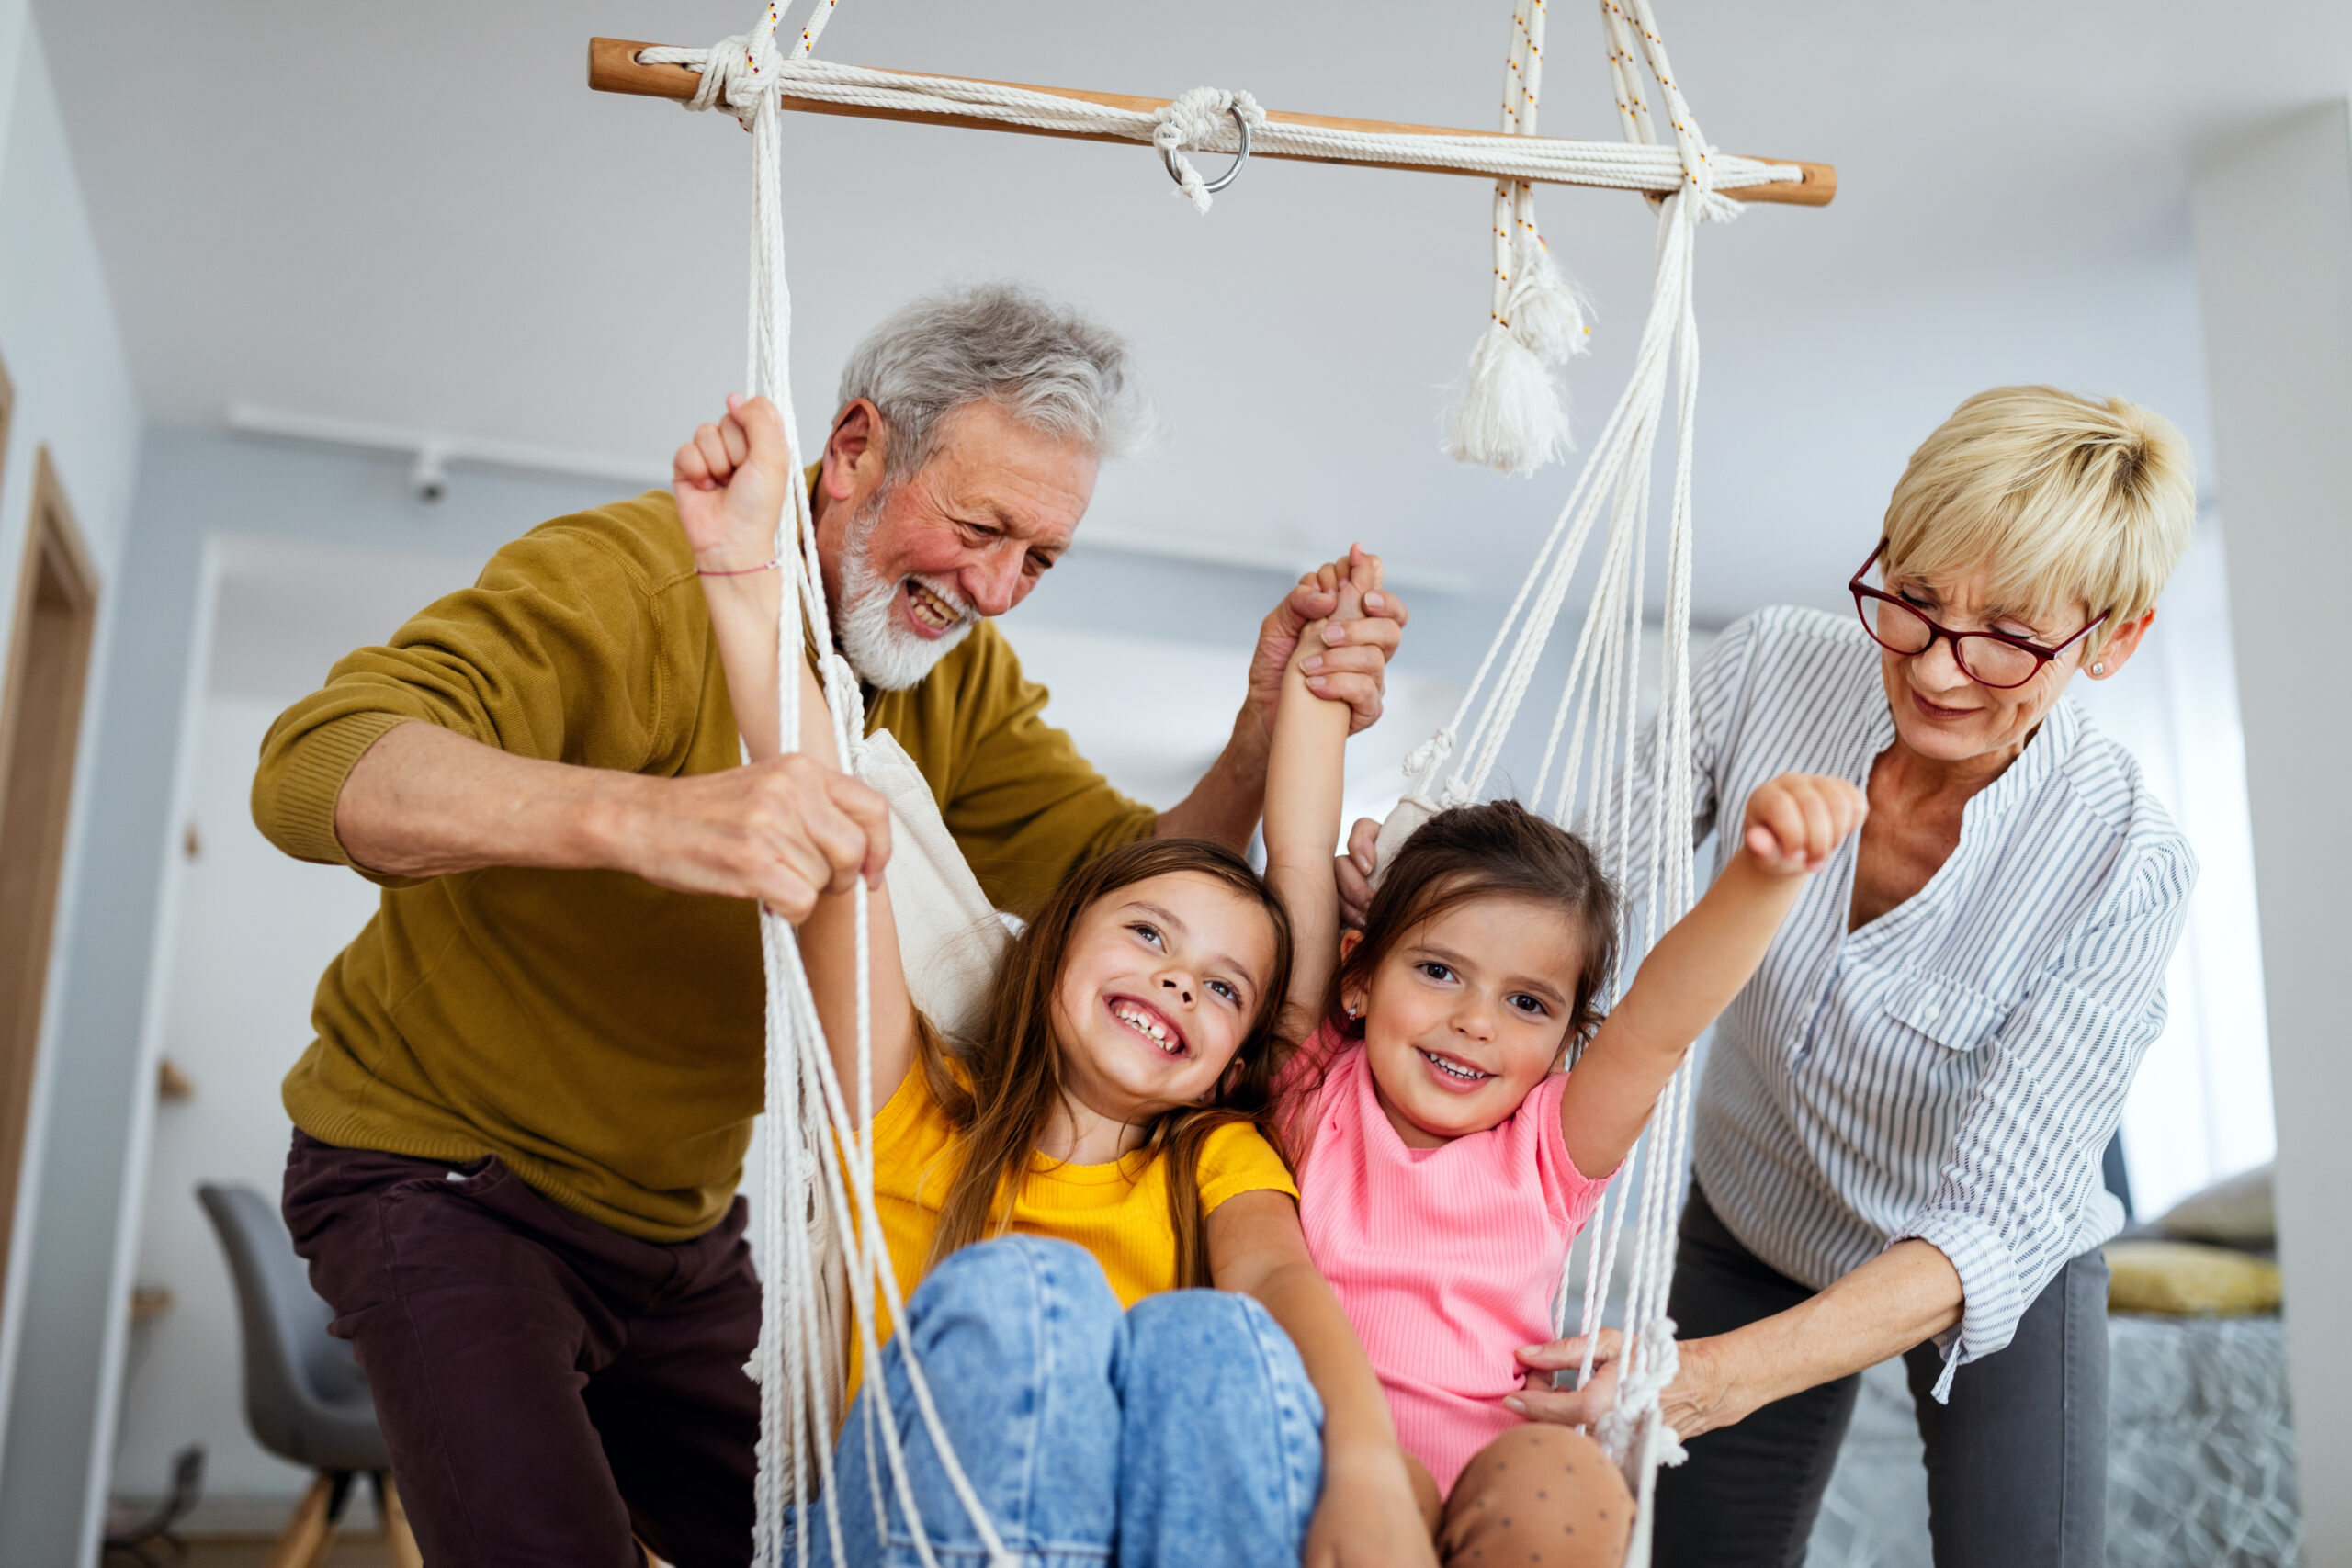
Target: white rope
[
  {"x": 1625, "y": 167},
  {"x": 1511, "y": 415},
  {"x": 818, "y": 1227},
  {"x": 1597, "y": 712}
]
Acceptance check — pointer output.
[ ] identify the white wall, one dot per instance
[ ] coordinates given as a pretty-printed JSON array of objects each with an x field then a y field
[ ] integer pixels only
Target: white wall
[
  {"x": 2200, "y": 1107},
  {"x": 59, "y": 341},
  {"x": 256, "y": 930},
  {"x": 2273, "y": 258}
]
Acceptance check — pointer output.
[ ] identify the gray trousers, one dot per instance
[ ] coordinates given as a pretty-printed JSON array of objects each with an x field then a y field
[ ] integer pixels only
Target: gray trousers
[{"x": 2016, "y": 1462}]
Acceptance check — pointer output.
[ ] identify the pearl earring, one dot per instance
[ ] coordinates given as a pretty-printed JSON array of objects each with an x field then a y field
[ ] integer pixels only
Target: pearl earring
[{"x": 2099, "y": 669}]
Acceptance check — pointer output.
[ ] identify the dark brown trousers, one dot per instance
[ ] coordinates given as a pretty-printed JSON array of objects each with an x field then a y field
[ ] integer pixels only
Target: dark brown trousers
[{"x": 547, "y": 1385}]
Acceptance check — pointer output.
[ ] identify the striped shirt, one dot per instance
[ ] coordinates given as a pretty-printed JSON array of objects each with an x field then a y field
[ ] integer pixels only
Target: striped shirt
[{"x": 1952, "y": 1070}]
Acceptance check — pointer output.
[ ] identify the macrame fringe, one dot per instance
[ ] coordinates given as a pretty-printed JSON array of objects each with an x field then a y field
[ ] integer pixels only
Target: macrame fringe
[
  {"x": 1546, "y": 311},
  {"x": 1511, "y": 416}
]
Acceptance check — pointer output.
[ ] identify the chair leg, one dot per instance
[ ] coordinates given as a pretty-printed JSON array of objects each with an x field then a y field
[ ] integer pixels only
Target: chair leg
[
  {"x": 311, "y": 1531},
  {"x": 400, "y": 1542}
]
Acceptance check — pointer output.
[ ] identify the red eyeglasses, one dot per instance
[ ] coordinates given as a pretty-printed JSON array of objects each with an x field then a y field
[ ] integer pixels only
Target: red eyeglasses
[{"x": 1989, "y": 658}]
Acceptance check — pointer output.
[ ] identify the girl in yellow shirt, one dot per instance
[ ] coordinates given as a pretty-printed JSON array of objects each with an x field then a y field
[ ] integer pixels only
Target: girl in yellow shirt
[{"x": 1052, "y": 1198}]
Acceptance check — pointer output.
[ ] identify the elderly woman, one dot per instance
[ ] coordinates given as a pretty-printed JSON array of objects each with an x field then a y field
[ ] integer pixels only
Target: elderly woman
[{"x": 1899, "y": 1131}]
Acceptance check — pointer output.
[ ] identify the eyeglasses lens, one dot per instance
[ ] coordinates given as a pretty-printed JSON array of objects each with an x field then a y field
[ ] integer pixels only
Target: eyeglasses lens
[
  {"x": 1982, "y": 659},
  {"x": 1995, "y": 663},
  {"x": 1896, "y": 627}
]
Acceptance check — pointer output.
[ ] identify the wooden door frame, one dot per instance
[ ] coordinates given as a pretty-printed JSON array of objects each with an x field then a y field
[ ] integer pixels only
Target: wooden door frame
[{"x": 56, "y": 559}]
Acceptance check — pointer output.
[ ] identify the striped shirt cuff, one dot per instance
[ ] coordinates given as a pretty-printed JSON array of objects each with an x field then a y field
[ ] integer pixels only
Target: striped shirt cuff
[{"x": 1991, "y": 1302}]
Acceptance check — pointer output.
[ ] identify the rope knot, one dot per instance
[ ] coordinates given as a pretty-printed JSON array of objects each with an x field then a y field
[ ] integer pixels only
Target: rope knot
[
  {"x": 736, "y": 73},
  {"x": 1190, "y": 120},
  {"x": 1635, "y": 1421},
  {"x": 1423, "y": 758},
  {"x": 1714, "y": 207}
]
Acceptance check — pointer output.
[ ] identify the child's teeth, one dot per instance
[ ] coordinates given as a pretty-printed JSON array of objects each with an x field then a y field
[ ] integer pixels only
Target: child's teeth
[{"x": 1143, "y": 1025}]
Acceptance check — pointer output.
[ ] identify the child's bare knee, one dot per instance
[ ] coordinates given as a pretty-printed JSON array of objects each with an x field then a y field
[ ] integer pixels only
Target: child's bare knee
[{"x": 1537, "y": 1494}]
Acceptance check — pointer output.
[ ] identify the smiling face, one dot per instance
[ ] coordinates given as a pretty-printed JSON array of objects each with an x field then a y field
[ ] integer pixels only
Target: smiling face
[
  {"x": 1160, "y": 982},
  {"x": 1467, "y": 1013},
  {"x": 1943, "y": 714},
  {"x": 912, "y": 564}
]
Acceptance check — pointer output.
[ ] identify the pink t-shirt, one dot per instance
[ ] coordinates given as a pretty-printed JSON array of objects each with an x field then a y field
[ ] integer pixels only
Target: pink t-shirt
[{"x": 1446, "y": 1260}]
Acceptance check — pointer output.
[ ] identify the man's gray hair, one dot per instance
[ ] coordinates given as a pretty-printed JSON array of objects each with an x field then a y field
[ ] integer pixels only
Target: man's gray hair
[{"x": 1048, "y": 366}]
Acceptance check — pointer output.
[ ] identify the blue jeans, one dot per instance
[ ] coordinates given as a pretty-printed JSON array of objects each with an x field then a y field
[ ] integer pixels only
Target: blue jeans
[{"x": 1183, "y": 1432}]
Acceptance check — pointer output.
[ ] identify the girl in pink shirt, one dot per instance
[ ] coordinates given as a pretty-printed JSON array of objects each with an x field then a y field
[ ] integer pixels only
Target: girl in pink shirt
[{"x": 1444, "y": 1158}]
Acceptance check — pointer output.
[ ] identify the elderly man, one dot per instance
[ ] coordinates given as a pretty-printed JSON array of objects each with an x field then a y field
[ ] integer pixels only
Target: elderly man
[{"x": 522, "y": 1125}]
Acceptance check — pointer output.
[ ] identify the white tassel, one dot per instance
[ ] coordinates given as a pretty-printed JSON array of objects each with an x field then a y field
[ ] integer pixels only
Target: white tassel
[
  {"x": 1510, "y": 416},
  {"x": 1546, "y": 312}
]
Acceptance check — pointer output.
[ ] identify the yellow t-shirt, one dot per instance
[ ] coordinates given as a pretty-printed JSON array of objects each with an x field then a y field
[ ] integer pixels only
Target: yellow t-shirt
[{"x": 1117, "y": 1212}]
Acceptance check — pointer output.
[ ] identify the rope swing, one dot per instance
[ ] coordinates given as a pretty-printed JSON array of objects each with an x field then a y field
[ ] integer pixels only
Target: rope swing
[{"x": 825, "y": 1265}]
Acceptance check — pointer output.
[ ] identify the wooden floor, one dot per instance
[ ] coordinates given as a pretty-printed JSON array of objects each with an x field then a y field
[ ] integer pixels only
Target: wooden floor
[{"x": 358, "y": 1550}]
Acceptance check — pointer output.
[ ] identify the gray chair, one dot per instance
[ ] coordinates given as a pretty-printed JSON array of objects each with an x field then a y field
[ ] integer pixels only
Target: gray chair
[{"x": 305, "y": 1396}]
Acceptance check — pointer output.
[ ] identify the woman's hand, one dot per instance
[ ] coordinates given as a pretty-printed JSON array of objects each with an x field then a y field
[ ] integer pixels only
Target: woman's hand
[
  {"x": 1702, "y": 1396},
  {"x": 1367, "y": 1516},
  {"x": 731, "y": 483},
  {"x": 1795, "y": 822}
]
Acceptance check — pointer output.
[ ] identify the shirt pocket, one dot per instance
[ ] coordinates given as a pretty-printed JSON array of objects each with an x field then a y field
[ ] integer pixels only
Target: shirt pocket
[{"x": 1947, "y": 1012}]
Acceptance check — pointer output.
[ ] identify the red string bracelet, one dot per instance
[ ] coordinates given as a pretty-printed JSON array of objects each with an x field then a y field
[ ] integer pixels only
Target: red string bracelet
[{"x": 741, "y": 570}]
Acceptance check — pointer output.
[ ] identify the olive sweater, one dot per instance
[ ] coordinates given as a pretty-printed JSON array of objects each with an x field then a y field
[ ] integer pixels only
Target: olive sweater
[{"x": 601, "y": 1035}]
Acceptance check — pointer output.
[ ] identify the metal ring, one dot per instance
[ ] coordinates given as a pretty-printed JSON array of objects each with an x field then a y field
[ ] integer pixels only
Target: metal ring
[{"x": 1167, "y": 156}]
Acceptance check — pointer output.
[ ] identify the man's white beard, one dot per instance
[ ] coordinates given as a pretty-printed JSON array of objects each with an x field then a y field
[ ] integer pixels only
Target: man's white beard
[{"x": 886, "y": 652}]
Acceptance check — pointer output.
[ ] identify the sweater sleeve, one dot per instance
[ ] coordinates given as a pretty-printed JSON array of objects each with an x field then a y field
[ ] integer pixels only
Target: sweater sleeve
[
  {"x": 1027, "y": 809},
  {"x": 558, "y": 651}
]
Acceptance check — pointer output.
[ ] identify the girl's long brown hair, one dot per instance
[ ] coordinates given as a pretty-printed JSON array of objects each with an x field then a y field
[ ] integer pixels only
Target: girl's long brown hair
[{"x": 1002, "y": 1094}]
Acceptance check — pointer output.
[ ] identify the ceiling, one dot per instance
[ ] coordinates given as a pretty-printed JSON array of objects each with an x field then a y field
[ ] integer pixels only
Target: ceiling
[{"x": 418, "y": 215}]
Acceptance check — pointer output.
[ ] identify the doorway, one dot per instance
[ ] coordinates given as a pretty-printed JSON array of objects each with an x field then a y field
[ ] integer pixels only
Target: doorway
[{"x": 40, "y": 722}]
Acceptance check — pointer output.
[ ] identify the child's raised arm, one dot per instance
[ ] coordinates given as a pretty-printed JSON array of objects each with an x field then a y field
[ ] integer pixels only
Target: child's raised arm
[
  {"x": 729, "y": 485},
  {"x": 1794, "y": 824},
  {"x": 1305, "y": 773}
]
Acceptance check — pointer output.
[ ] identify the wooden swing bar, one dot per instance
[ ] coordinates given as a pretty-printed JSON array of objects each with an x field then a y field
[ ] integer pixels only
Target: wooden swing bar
[{"x": 613, "y": 67}]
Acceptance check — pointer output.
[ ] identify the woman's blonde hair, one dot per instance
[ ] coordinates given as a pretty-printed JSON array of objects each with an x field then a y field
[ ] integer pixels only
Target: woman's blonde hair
[{"x": 2060, "y": 497}]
